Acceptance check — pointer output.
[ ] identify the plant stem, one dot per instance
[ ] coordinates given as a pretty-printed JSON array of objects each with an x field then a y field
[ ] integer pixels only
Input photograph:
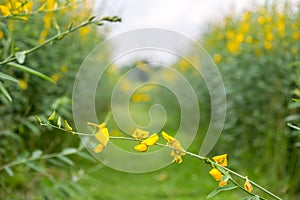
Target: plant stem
[{"x": 47, "y": 156}]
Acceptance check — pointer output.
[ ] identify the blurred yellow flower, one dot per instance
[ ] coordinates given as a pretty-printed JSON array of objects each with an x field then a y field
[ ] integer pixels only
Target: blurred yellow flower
[
  {"x": 246, "y": 16},
  {"x": 55, "y": 77},
  {"x": 64, "y": 69},
  {"x": 216, "y": 174},
  {"x": 177, "y": 152},
  {"x": 1, "y": 34},
  {"x": 269, "y": 36},
  {"x": 233, "y": 47},
  {"x": 261, "y": 20},
  {"x": 268, "y": 45},
  {"x": 296, "y": 35},
  {"x": 83, "y": 32},
  {"x": 140, "y": 97},
  {"x": 140, "y": 134},
  {"x": 218, "y": 58},
  {"x": 23, "y": 84},
  {"x": 240, "y": 37},
  {"x": 4, "y": 10},
  {"x": 221, "y": 159},
  {"x": 247, "y": 185},
  {"x": 244, "y": 27},
  {"x": 102, "y": 135},
  {"x": 294, "y": 50},
  {"x": 230, "y": 34},
  {"x": 150, "y": 141}
]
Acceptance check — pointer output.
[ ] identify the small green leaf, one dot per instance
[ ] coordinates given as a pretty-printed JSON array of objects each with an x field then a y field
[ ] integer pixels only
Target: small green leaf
[
  {"x": 296, "y": 100},
  {"x": 91, "y": 18},
  {"x": 8, "y": 77},
  {"x": 220, "y": 189},
  {"x": 36, "y": 154},
  {"x": 56, "y": 162},
  {"x": 35, "y": 167},
  {"x": 65, "y": 159},
  {"x": 68, "y": 151},
  {"x": 31, "y": 71},
  {"x": 86, "y": 156},
  {"x": 20, "y": 56},
  {"x": 9, "y": 171},
  {"x": 5, "y": 92}
]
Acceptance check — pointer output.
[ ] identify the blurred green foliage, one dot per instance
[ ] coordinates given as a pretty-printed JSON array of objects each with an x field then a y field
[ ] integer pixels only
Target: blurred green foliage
[{"x": 253, "y": 51}]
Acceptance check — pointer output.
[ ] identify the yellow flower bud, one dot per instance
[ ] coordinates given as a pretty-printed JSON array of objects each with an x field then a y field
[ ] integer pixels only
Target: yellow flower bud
[
  {"x": 141, "y": 147},
  {"x": 248, "y": 185}
]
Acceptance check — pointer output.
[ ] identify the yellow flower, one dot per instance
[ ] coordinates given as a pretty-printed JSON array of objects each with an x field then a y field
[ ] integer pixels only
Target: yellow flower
[
  {"x": 150, "y": 141},
  {"x": 269, "y": 36},
  {"x": 1, "y": 34},
  {"x": 229, "y": 34},
  {"x": 4, "y": 10},
  {"x": 217, "y": 58},
  {"x": 140, "y": 97},
  {"x": 261, "y": 20},
  {"x": 177, "y": 152},
  {"x": 22, "y": 84},
  {"x": 216, "y": 174},
  {"x": 240, "y": 37},
  {"x": 296, "y": 35},
  {"x": 221, "y": 159},
  {"x": 246, "y": 16},
  {"x": 140, "y": 134},
  {"x": 64, "y": 69},
  {"x": 222, "y": 183},
  {"x": 102, "y": 135},
  {"x": 248, "y": 185},
  {"x": 268, "y": 45}
]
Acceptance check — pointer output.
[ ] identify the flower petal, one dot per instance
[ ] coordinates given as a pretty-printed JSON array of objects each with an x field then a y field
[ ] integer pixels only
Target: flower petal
[
  {"x": 140, "y": 134},
  {"x": 150, "y": 141},
  {"x": 216, "y": 174},
  {"x": 141, "y": 147},
  {"x": 167, "y": 137},
  {"x": 221, "y": 159}
]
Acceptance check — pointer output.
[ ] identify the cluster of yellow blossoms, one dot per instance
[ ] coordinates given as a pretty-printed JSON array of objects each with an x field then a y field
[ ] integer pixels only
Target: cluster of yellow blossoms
[
  {"x": 218, "y": 176},
  {"x": 102, "y": 136}
]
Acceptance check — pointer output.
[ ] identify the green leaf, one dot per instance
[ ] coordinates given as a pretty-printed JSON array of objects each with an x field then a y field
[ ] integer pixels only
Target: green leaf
[
  {"x": 65, "y": 159},
  {"x": 220, "y": 189},
  {"x": 86, "y": 156},
  {"x": 8, "y": 77},
  {"x": 5, "y": 92},
  {"x": 9, "y": 171},
  {"x": 295, "y": 64},
  {"x": 36, "y": 153},
  {"x": 56, "y": 162},
  {"x": 20, "y": 56},
  {"x": 35, "y": 167},
  {"x": 68, "y": 151},
  {"x": 296, "y": 100},
  {"x": 31, "y": 71}
]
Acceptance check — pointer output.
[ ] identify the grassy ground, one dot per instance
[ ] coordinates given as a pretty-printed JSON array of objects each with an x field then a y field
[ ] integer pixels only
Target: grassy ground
[{"x": 189, "y": 180}]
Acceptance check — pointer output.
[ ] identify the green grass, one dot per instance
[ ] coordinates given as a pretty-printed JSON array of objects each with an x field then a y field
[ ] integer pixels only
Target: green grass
[{"x": 189, "y": 180}]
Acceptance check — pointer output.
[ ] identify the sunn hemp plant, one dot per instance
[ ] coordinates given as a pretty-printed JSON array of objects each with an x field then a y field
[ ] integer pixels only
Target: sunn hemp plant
[{"x": 218, "y": 163}]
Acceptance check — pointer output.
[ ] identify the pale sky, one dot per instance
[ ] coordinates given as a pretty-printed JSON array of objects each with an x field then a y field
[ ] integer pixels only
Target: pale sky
[
  {"x": 184, "y": 16},
  {"x": 187, "y": 17}
]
